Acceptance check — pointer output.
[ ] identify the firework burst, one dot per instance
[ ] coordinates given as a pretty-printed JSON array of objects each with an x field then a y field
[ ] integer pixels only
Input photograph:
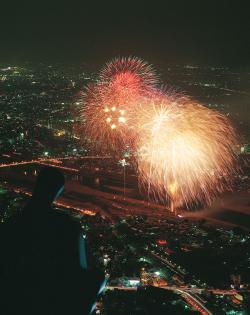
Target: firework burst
[
  {"x": 186, "y": 152},
  {"x": 111, "y": 104},
  {"x": 131, "y": 72}
]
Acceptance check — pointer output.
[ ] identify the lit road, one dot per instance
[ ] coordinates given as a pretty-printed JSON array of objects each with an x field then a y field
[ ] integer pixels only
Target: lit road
[
  {"x": 41, "y": 162},
  {"x": 188, "y": 297},
  {"x": 56, "y": 161},
  {"x": 194, "y": 302},
  {"x": 169, "y": 265},
  {"x": 185, "y": 290},
  {"x": 188, "y": 294}
]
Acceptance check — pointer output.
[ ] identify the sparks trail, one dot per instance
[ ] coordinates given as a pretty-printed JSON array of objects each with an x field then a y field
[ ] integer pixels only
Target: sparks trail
[
  {"x": 110, "y": 106},
  {"x": 131, "y": 72},
  {"x": 186, "y": 152}
]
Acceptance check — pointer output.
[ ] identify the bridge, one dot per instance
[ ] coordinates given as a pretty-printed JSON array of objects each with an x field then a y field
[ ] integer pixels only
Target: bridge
[
  {"x": 55, "y": 162},
  {"x": 60, "y": 204}
]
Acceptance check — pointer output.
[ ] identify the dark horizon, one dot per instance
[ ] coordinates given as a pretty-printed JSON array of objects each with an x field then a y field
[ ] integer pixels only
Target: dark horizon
[{"x": 159, "y": 32}]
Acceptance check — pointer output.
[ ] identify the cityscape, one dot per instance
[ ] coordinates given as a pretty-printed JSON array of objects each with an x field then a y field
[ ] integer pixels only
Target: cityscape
[{"x": 187, "y": 261}]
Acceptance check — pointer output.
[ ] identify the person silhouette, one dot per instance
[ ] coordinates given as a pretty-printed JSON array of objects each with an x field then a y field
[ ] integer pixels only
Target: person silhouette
[{"x": 43, "y": 259}]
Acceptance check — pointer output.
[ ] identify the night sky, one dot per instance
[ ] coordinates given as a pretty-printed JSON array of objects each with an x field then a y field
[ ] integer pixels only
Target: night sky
[{"x": 198, "y": 32}]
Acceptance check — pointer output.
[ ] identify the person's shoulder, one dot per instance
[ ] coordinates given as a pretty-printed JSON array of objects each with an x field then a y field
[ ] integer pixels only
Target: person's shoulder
[{"x": 65, "y": 219}]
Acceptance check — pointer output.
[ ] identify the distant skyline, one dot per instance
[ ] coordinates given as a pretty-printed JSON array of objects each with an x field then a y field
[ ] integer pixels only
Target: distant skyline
[{"x": 194, "y": 32}]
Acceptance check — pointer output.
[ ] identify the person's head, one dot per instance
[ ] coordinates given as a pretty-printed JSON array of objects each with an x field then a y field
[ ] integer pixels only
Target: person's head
[{"x": 49, "y": 185}]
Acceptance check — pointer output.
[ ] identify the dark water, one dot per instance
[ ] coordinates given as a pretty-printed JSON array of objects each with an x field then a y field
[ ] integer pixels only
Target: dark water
[
  {"x": 232, "y": 216},
  {"x": 233, "y": 208}
]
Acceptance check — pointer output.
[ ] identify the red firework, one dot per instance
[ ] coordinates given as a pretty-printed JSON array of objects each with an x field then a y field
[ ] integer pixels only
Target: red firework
[
  {"x": 110, "y": 105},
  {"x": 130, "y": 72}
]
